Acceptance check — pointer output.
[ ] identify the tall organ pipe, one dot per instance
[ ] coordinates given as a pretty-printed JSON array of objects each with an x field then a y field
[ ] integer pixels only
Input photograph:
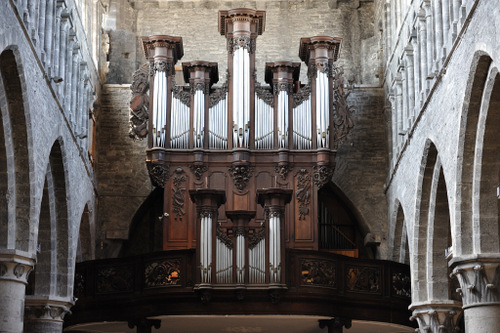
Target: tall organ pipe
[{"x": 241, "y": 97}]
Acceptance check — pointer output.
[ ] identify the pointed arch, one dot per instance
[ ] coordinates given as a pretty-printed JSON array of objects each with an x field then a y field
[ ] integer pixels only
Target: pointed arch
[
  {"x": 15, "y": 147},
  {"x": 84, "y": 248},
  {"x": 399, "y": 239},
  {"x": 486, "y": 169},
  {"x": 468, "y": 132}
]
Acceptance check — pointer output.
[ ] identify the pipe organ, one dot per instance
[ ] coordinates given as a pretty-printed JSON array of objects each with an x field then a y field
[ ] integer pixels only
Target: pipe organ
[{"x": 240, "y": 163}]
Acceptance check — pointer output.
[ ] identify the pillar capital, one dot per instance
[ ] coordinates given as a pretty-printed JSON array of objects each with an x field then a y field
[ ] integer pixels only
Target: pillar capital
[
  {"x": 319, "y": 51},
  {"x": 274, "y": 198},
  {"x": 281, "y": 75},
  {"x": 207, "y": 200},
  {"x": 15, "y": 265},
  {"x": 46, "y": 309},
  {"x": 479, "y": 278},
  {"x": 163, "y": 50},
  {"x": 436, "y": 316},
  {"x": 201, "y": 75}
]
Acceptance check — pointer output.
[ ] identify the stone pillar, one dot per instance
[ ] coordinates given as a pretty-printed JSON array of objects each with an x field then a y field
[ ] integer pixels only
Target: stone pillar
[
  {"x": 479, "y": 279},
  {"x": 15, "y": 267},
  {"x": 335, "y": 325},
  {"x": 44, "y": 314},
  {"x": 422, "y": 42},
  {"x": 430, "y": 42},
  {"x": 437, "y": 316}
]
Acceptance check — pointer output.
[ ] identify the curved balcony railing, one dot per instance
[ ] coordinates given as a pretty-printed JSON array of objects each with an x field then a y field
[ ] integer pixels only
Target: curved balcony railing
[{"x": 317, "y": 283}]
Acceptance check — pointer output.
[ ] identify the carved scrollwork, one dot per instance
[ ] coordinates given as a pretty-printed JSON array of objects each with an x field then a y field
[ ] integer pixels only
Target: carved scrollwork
[
  {"x": 223, "y": 237},
  {"x": 318, "y": 272},
  {"x": 139, "y": 104},
  {"x": 162, "y": 273},
  {"x": 198, "y": 170},
  {"x": 158, "y": 173},
  {"x": 245, "y": 42},
  {"x": 178, "y": 92},
  {"x": 219, "y": 94},
  {"x": 264, "y": 94},
  {"x": 178, "y": 191},
  {"x": 114, "y": 279},
  {"x": 322, "y": 174},
  {"x": 241, "y": 174},
  {"x": 363, "y": 279},
  {"x": 302, "y": 95},
  {"x": 283, "y": 169},
  {"x": 342, "y": 112},
  {"x": 302, "y": 193},
  {"x": 256, "y": 237}
]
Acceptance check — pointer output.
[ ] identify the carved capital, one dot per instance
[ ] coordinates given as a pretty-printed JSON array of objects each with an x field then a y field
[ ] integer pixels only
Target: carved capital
[
  {"x": 161, "y": 66},
  {"x": 14, "y": 267},
  {"x": 245, "y": 42},
  {"x": 479, "y": 282},
  {"x": 46, "y": 309},
  {"x": 437, "y": 318},
  {"x": 159, "y": 173},
  {"x": 322, "y": 174}
]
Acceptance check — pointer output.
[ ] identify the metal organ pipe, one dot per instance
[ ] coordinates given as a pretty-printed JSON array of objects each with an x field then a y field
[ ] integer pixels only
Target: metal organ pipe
[
  {"x": 322, "y": 110},
  {"x": 283, "y": 119},
  {"x": 241, "y": 97},
  {"x": 264, "y": 124},
  {"x": 199, "y": 118},
  {"x": 302, "y": 138},
  {"x": 218, "y": 125}
]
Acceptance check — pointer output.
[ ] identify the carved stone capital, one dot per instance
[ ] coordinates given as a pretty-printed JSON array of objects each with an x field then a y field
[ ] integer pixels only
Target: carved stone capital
[
  {"x": 15, "y": 266},
  {"x": 437, "y": 317},
  {"x": 45, "y": 309},
  {"x": 479, "y": 282}
]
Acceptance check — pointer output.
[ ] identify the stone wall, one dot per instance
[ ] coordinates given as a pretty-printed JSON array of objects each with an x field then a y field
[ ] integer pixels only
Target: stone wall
[{"x": 286, "y": 22}]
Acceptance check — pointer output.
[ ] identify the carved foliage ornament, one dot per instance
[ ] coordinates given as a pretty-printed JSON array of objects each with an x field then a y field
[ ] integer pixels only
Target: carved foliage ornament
[
  {"x": 479, "y": 283},
  {"x": 161, "y": 66},
  {"x": 223, "y": 237},
  {"x": 264, "y": 94},
  {"x": 256, "y": 238},
  {"x": 436, "y": 319},
  {"x": 302, "y": 193},
  {"x": 114, "y": 279},
  {"x": 245, "y": 42},
  {"x": 178, "y": 92},
  {"x": 241, "y": 174},
  {"x": 158, "y": 173},
  {"x": 178, "y": 191},
  {"x": 219, "y": 94},
  {"x": 363, "y": 279},
  {"x": 322, "y": 174},
  {"x": 139, "y": 104},
  {"x": 342, "y": 112},
  {"x": 401, "y": 284},
  {"x": 318, "y": 272}
]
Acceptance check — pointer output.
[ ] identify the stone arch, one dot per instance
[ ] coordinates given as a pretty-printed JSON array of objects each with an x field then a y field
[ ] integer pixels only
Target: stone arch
[
  {"x": 15, "y": 157},
  {"x": 51, "y": 271},
  {"x": 470, "y": 116},
  {"x": 486, "y": 169},
  {"x": 438, "y": 237},
  {"x": 84, "y": 248},
  {"x": 419, "y": 246},
  {"x": 399, "y": 238}
]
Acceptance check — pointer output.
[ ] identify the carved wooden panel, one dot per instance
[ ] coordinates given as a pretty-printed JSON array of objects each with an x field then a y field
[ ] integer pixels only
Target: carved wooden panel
[{"x": 303, "y": 210}]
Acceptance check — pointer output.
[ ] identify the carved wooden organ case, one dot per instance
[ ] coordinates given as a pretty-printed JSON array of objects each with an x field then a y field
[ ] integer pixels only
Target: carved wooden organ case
[{"x": 241, "y": 164}]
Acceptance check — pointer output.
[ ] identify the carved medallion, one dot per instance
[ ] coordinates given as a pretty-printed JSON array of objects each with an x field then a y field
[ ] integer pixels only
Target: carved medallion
[
  {"x": 198, "y": 170},
  {"x": 283, "y": 169},
  {"x": 158, "y": 173},
  {"x": 241, "y": 174},
  {"x": 322, "y": 174},
  {"x": 178, "y": 192},
  {"x": 302, "y": 193}
]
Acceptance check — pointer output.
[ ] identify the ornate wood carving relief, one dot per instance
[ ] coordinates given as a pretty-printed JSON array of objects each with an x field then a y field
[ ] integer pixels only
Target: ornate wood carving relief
[
  {"x": 322, "y": 174},
  {"x": 401, "y": 284},
  {"x": 342, "y": 112},
  {"x": 283, "y": 169},
  {"x": 241, "y": 174},
  {"x": 178, "y": 194},
  {"x": 162, "y": 273},
  {"x": 363, "y": 279},
  {"x": 302, "y": 193},
  {"x": 159, "y": 173},
  {"x": 114, "y": 279},
  {"x": 139, "y": 104},
  {"x": 223, "y": 237},
  {"x": 198, "y": 170},
  {"x": 318, "y": 272}
]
